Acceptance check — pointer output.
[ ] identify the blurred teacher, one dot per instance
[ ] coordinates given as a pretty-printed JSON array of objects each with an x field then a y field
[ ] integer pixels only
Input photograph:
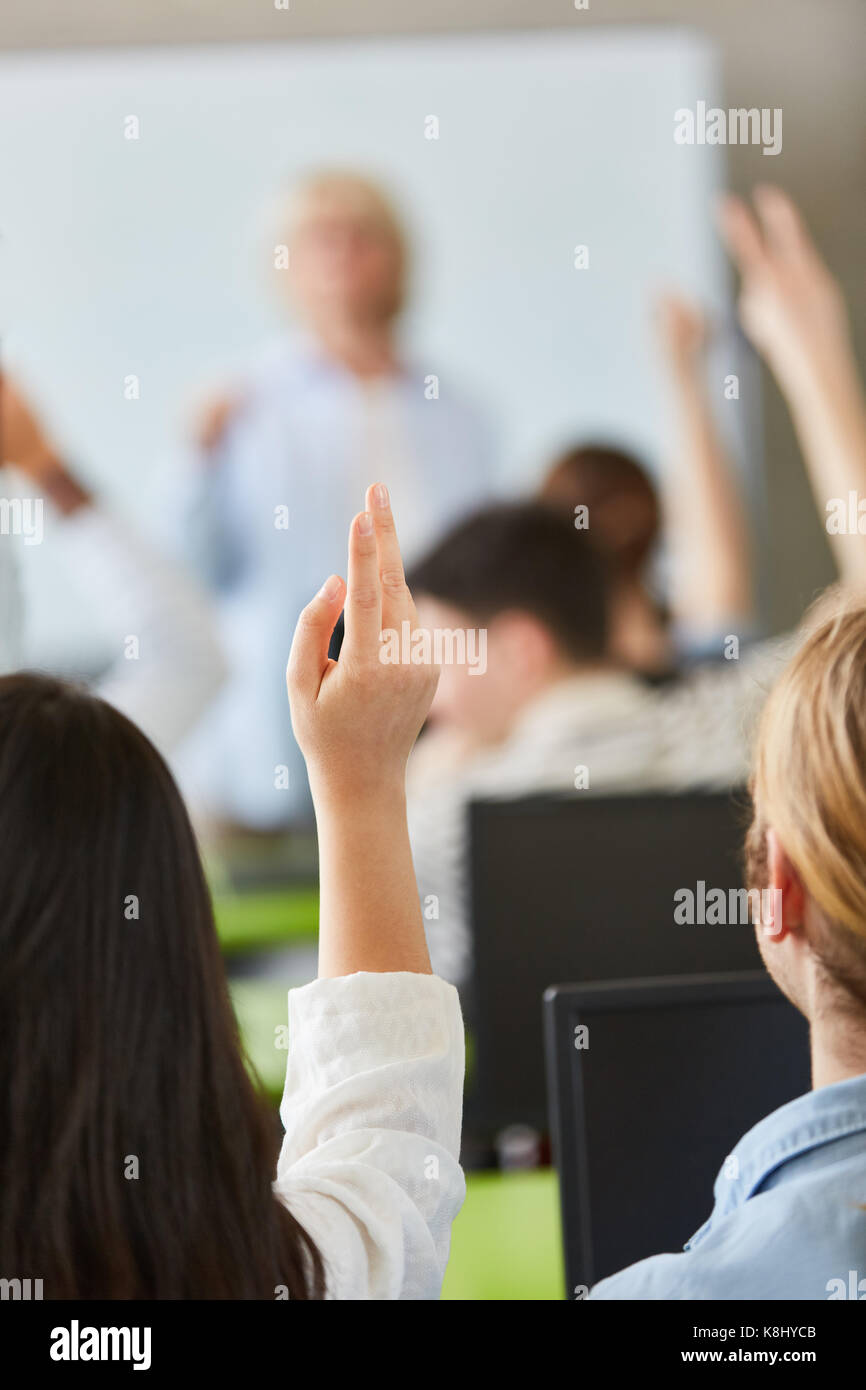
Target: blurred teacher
[{"x": 284, "y": 455}]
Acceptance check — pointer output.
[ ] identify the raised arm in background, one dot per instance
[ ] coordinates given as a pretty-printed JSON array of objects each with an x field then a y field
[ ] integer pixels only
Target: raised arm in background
[
  {"x": 129, "y": 584},
  {"x": 708, "y": 535},
  {"x": 794, "y": 313}
]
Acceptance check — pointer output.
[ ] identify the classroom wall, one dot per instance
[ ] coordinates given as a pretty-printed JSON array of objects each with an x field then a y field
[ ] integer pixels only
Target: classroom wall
[{"x": 807, "y": 58}]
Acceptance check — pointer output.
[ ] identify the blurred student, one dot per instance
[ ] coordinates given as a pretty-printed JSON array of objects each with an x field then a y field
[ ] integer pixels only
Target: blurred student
[
  {"x": 168, "y": 665},
  {"x": 286, "y": 449},
  {"x": 789, "y": 1220},
  {"x": 136, "y": 1159},
  {"x": 705, "y": 526},
  {"x": 555, "y": 711},
  {"x": 549, "y": 709}
]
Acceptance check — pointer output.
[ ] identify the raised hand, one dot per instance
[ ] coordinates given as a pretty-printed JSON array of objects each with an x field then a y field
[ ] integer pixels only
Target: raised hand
[
  {"x": 793, "y": 311},
  {"x": 356, "y": 719},
  {"x": 790, "y": 305}
]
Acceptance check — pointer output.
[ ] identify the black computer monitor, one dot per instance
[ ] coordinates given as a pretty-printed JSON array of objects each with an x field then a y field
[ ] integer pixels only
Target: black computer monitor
[
  {"x": 582, "y": 888},
  {"x": 648, "y": 1102}
]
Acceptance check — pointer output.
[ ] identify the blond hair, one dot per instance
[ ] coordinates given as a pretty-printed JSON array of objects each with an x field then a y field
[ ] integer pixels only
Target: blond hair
[
  {"x": 357, "y": 196},
  {"x": 810, "y": 773}
]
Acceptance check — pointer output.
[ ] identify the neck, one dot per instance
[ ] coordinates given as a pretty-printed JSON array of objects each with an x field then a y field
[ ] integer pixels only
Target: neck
[
  {"x": 837, "y": 1037},
  {"x": 837, "y": 1055},
  {"x": 366, "y": 349}
]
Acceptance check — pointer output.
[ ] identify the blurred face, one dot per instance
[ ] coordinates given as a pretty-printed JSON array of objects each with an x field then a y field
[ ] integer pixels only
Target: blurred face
[
  {"x": 344, "y": 263},
  {"x": 481, "y": 708}
]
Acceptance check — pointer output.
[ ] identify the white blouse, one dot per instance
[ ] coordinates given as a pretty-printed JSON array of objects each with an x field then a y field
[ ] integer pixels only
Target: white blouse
[{"x": 372, "y": 1111}]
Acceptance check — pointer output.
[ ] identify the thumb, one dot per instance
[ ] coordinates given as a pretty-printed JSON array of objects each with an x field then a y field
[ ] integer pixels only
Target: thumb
[{"x": 308, "y": 659}]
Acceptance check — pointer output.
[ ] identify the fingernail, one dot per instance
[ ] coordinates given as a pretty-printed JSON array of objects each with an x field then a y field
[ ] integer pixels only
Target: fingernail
[
  {"x": 365, "y": 524},
  {"x": 330, "y": 588},
  {"x": 380, "y": 495}
]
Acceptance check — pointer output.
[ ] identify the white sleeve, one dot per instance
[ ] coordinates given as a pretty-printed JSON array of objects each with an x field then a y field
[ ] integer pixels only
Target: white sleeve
[
  {"x": 166, "y": 678},
  {"x": 372, "y": 1111}
]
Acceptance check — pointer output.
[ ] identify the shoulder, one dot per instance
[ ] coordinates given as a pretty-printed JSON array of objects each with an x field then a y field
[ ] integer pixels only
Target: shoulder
[{"x": 662, "y": 1277}]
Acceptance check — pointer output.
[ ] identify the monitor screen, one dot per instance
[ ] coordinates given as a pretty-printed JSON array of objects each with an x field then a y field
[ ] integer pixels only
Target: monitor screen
[
  {"x": 584, "y": 889},
  {"x": 653, "y": 1097}
]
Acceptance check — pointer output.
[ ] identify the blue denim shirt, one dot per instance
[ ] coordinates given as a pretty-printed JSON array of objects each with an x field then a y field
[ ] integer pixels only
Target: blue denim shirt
[{"x": 789, "y": 1220}]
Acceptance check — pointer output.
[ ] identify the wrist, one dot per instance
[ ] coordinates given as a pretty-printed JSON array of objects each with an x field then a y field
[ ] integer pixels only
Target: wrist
[
  {"x": 800, "y": 358},
  {"x": 806, "y": 372},
  {"x": 371, "y": 800},
  {"x": 59, "y": 485}
]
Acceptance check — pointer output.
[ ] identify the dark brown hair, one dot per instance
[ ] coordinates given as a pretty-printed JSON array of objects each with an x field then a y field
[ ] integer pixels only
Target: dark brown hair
[
  {"x": 522, "y": 556},
  {"x": 119, "y": 1051},
  {"x": 624, "y": 511}
]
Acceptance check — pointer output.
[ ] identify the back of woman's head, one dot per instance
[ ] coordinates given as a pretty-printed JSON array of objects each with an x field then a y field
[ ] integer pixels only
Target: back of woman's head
[
  {"x": 136, "y": 1158},
  {"x": 624, "y": 509},
  {"x": 810, "y": 785}
]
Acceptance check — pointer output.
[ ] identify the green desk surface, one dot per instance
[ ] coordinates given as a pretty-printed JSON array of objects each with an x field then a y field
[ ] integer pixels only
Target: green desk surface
[
  {"x": 255, "y": 921},
  {"x": 505, "y": 1244}
]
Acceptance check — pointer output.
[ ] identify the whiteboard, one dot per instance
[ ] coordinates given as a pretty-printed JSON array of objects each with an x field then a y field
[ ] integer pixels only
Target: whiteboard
[{"x": 148, "y": 256}]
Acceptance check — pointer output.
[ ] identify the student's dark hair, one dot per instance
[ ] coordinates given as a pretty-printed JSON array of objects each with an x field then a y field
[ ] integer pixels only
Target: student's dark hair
[
  {"x": 522, "y": 556},
  {"x": 624, "y": 509},
  {"x": 136, "y": 1156}
]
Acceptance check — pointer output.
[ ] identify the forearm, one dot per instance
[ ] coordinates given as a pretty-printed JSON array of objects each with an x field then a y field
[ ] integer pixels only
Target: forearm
[
  {"x": 712, "y": 580},
  {"x": 55, "y": 479},
  {"x": 824, "y": 393},
  {"x": 369, "y": 914}
]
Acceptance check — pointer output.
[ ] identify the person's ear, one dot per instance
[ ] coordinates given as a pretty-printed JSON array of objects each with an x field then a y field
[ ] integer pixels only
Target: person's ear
[{"x": 784, "y": 910}]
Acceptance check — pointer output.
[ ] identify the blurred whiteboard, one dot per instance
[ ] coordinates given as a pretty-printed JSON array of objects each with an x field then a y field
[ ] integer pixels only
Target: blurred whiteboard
[{"x": 148, "y": 256}]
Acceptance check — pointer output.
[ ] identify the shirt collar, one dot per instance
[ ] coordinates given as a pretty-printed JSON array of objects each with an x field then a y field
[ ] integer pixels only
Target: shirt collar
[{"x": 819, "y": 1117}]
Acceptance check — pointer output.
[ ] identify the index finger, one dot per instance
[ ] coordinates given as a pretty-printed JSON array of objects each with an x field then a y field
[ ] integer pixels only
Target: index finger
[{"x": 363, "y": 615}]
